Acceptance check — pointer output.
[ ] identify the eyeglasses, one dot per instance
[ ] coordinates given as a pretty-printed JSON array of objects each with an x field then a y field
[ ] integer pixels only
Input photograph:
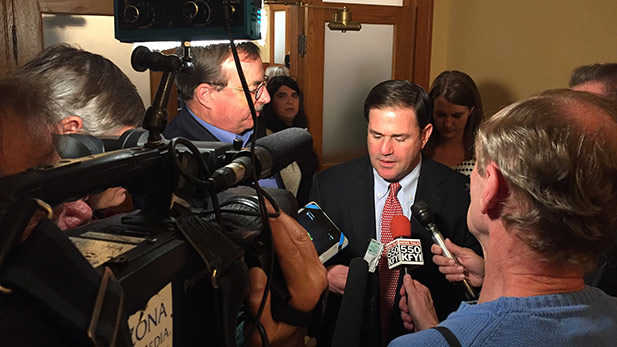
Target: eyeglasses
[{"x": 258, "y": 91}]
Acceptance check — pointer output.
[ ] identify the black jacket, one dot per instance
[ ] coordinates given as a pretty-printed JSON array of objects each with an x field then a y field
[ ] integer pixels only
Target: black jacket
[{"x": 346, "y": 193}]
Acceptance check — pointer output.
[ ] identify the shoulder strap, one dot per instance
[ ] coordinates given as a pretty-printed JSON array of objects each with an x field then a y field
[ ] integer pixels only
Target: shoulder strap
[{"x": 449, "y": 336}]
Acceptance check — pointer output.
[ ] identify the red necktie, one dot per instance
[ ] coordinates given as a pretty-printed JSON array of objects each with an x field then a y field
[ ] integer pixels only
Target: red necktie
[{"x": 388, "y": 278}]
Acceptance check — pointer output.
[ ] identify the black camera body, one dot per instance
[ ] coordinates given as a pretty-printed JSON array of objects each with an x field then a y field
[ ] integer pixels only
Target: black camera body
[
  {"x": 169, "y": 293},
  {"x": 184, "y": 271}
]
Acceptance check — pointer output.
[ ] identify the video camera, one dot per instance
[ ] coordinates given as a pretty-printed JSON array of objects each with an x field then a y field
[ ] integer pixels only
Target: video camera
[
  {"x": 182, "y": 260},
  {"x": 147, "y": 250}
]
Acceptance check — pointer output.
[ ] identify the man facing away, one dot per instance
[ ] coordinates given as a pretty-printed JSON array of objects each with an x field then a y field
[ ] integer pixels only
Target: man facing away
[
  {"x": 361, "y": 195},
  {"x": 543, "y": 198},
  {"x": 95, "y": 98}
]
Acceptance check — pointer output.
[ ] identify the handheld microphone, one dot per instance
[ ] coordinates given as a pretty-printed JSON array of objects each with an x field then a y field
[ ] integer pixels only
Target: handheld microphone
[
  {"x": 272, "y": 153},
  {"x": 351, "y": 312},
  {"x": 403, "y": 251},
  {"x": 423, "y": 214}
]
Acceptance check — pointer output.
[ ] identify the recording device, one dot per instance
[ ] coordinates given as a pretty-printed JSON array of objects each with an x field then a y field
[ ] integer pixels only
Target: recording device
[
  {"x": 272, "y": 153},
  {"x": 183, "y": 269},
  {"x": 326, "y": 236},
  {"x": 160, "y": 20},
  {"x": 184, "y": 262},
  {"x": 403, "y": 251},
  {"x": 423, "y": 214}
]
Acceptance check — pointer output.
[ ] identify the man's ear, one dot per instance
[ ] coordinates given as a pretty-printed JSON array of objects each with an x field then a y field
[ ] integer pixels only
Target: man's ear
[
  {"x": 426, "y": 134},
  {"x": 71, "y": 125},
  {"x": 495, "y": 188},
  {"x": 205, "y": 94}
]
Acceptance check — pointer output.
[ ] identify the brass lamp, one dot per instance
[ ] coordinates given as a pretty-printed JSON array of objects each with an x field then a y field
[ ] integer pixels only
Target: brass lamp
[{"x": 341, "y": 20}]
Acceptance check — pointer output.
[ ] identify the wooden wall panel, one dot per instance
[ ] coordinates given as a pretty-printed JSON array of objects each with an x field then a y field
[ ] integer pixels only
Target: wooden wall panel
[
  {"x": 26, "y": 17},
  {"x": 90, "y": 7},
  {"x": 22, "y": 33}
]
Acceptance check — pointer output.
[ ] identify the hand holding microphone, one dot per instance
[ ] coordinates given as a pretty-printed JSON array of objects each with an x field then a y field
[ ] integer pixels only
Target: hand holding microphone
[
  {"x": 417, "y": 309},
  {"x": 471, "y": 265},
  {"x": 423, "y": 214}
]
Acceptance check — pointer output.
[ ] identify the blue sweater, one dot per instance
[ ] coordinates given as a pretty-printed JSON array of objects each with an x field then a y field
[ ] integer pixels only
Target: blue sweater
[{"x": 583, "y": 318}]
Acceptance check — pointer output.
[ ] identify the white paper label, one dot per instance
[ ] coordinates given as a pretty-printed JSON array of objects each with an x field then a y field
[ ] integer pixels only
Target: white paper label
[{"x": 153, "y": 326}]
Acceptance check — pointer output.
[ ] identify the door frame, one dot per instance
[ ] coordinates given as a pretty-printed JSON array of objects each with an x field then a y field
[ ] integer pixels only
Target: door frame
[{"x": 411, "y": 51}]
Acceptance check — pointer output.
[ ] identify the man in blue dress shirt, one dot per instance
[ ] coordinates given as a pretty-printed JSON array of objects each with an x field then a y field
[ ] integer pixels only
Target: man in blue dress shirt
[{"x": 215, "y": 107}]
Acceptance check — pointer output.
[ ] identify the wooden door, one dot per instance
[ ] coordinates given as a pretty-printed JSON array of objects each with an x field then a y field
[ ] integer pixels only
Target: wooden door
[{"x": 411, "y": 49}]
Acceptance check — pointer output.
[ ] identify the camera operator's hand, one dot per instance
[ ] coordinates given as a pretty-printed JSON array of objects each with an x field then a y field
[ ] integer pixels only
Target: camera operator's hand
[
  {"x": 305, "y": 276},
  {"x": 111, "y": 197}
]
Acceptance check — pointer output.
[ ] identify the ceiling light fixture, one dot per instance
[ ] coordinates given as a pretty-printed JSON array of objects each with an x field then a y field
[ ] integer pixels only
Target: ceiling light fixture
[{"x": 341, "y": 20}]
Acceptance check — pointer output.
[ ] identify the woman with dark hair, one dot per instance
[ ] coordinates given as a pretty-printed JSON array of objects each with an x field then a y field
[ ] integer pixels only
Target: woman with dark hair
[
  {"x": 457, "y": 113},
  {"x": 285, "y": 111}
]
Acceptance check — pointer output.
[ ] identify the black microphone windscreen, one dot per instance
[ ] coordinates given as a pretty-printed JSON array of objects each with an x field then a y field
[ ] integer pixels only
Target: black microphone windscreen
[
  {"x": 422, "y": 212},
  {"x": 350, "y": 317},
  {"x": 286, "y": 146},
  {"x": 143, "y": 58}
]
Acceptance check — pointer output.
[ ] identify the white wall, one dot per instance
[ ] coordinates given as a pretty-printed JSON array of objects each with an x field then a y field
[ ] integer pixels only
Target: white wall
[
  {"x": 514, "y": 49},
  {"x": 96, "y": 34}
]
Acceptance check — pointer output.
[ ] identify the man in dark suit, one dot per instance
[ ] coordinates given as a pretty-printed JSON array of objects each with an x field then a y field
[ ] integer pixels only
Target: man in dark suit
[
  {"x": 215, "y": 107},
  {"x": 354, "y": 194}
]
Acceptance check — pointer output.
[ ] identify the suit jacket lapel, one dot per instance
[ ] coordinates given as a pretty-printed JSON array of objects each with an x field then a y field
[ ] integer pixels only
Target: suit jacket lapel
[
  {"x": 361, "y": 202},
  {"x": 429, "y": 184}
]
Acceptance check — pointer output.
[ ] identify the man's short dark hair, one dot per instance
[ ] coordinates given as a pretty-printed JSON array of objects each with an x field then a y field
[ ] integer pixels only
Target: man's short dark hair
[
  {"x": 208, "y": 62},
  {"x": 403, "y": 94},
  {"x": 603, "y": 73}
]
